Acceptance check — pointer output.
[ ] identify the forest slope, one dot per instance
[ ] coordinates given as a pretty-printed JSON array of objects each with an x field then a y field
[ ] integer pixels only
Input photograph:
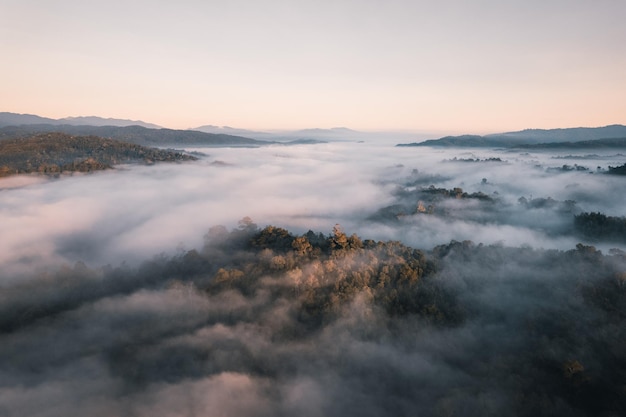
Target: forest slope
[
  {"x": 362, "y": 327},
  {"x": 54, "y": 153}
]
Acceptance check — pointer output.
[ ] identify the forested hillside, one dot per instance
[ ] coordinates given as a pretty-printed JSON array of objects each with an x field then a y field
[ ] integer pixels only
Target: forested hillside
[
  {"x": 618, "y": 170},
  {"x": 364, "y": 328},
  {"x": 55, "y": 153}
]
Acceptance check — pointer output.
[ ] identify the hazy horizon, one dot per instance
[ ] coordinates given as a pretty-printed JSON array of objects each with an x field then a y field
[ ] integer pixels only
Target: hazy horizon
[
  {"x": 134, "y": 212},
  {"x": 418, "y": 134}
]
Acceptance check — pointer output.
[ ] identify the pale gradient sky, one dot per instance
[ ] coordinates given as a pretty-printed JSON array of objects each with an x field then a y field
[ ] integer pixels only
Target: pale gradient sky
[{"x": 472, "y": 66}]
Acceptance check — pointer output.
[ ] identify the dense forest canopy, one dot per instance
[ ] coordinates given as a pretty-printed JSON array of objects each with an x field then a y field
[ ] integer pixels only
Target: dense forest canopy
[
  {"x": 55, "y": 153},
  {"x": 618, "y": 170},
  {"x": 318, "y": 324}
]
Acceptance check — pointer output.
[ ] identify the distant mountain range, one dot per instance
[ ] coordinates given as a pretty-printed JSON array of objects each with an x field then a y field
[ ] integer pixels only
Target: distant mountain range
[
  {"x": 15, "y": 119},
  {"x": 334, "y": 134},
  {"x": 148, "y": 134},
  {"x": 13, "y": 125},
  {"x": 227, "y": 130},
  {"x": 542, "y": 138},
  {"x": 136, "y": 134}
]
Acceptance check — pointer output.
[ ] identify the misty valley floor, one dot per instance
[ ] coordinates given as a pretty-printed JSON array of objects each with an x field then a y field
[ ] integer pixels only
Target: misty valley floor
[{"x": 452, "y": 287}]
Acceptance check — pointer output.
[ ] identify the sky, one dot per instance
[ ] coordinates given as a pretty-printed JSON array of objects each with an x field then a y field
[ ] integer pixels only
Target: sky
[{"x": 477, "y": 66}]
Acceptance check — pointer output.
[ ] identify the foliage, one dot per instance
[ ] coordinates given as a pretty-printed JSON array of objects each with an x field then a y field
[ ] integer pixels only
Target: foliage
[
  {"x": 325, "y": 274},
  {"x": 600, "y": 226},
  {"x": 455, "y": 159},
  {"x": 567, "y": 168},
  {"x": 618, "y": 170},
  {"x": 55, "y": 153},
  {"x": 430, "y": 200},
  {"x": 565, "y": 309},
  {"x": 527, "y": 332}
]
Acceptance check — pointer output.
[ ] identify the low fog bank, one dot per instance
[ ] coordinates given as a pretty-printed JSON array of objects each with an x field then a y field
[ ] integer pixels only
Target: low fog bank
[
  {"x": 135, "y": 212},
  {"x": 119, "y": 295},
  {"x": 266, "y": 323}
]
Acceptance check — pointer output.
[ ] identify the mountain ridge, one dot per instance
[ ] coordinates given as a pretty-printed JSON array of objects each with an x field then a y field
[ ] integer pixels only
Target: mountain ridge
[
  {"x": 18, "y": 119},
  {"x": 528, "y": 137},
  {"x": 108, "y": 121},
  {"x": 335, "y": 133},
  {"x": 134, "y": 134}
]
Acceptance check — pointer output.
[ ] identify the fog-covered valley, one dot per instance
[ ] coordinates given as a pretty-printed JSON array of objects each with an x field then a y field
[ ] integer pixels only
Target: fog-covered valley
[
  {"x": 122, "y": 295},
  {"x": 137, "y": 211},
  {"x": 313, "y": 208}
]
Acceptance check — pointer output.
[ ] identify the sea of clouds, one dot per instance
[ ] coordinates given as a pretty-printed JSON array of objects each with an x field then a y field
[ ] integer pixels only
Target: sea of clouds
[{"x": 80, "y": 339}]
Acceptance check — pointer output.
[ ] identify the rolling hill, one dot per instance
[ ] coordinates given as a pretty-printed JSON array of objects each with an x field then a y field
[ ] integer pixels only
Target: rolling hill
[
  {"x": 55, "y": 153},
  {"x": 134, "y": 134},
  {"x": 532, "y": 137}
]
